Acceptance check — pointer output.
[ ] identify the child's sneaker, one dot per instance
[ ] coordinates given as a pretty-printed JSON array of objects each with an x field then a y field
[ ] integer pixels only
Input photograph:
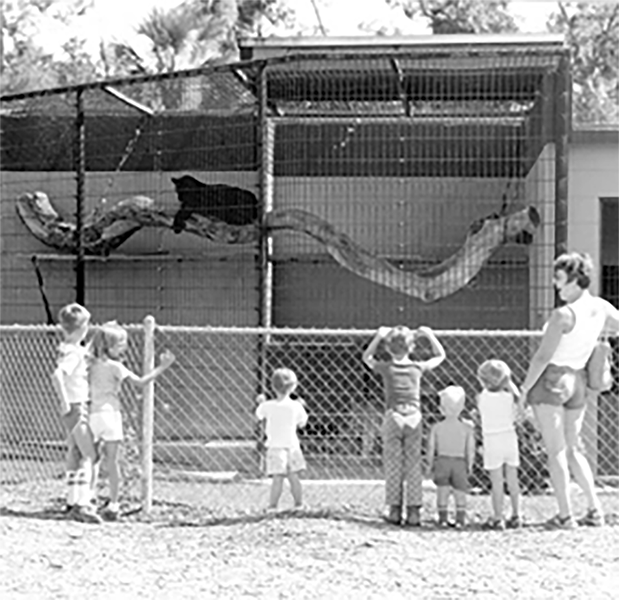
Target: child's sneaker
[
  {"x": 110, "y": 514},
  {"x": 85, "y": 514},
  {"x": 413, "y": 517},
  {"x": 558, "y": 522},
  {"x": 514, "y": 522},
  {"x": 394, "y": 516},
  {"x": 593, "y": 518},
  {"x": 494, "y": 525}
]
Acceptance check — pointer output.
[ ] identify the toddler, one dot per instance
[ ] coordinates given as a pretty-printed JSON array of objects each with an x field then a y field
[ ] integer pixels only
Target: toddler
[
  {"x": 70, "y": 381},
  {"x": 283, "y": 416},
  {"x": 401, "y": 428},
  {"x": 107, "y": 373},
  {"x": 498, "y": 405},
  {"x": 451, "y": 452}
]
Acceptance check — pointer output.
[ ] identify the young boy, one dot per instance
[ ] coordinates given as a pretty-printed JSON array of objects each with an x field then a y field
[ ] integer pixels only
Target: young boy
[
  {"x": 70, "y": 381},
  {"x": 283, "y": 417},
  {"x": 401, "y": 429},
  {"x": 498, "y": 405},
  {"x": 451, "y": 452}
]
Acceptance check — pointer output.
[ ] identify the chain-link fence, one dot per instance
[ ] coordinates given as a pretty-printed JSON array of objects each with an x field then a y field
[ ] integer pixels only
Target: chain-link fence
[{"x": 207, "y": 448}]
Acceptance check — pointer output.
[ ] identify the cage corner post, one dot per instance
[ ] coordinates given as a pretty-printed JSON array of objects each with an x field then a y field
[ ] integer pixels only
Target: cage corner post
[
  {"x": 562, "y": 125},
  {"x": 148, "y": 413},
  {"x": 80, "y": 176}
]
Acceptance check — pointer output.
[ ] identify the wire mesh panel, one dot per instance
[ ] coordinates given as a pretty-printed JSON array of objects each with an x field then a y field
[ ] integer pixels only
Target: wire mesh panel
[
  {"x": 324, "y": 189},
  {"x": 208, "y": 451}
]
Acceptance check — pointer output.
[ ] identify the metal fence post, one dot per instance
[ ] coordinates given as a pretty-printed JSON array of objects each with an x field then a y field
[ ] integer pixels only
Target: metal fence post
[{"x": 148, "y": 413}]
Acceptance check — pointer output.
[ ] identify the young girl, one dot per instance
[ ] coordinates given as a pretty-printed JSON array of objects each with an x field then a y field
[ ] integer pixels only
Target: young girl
[
  {"x": 498, "y": 408},
  {"x": 106, "y": 376}
]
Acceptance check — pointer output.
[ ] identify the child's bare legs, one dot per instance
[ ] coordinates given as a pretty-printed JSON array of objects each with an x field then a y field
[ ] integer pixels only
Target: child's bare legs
[
  {"x": 442, "y": 501},
  {"x": 497, "y": 493},
  {"x": 460, "y": 499},
  {"x": 295, "y": 488},
  {"x": 513, "y": 486},
  {"x": 277, "y": 484},
  {"x": 113, "y": 470}
]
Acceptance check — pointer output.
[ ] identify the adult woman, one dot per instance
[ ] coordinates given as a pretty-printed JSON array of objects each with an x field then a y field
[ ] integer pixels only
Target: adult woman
[{"x": 555, "y": 383}]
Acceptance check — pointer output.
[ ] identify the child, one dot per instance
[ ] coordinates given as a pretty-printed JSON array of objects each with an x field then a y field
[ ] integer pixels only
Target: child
[
  {"x": 106, "y": 376},
  {"x": 451, "y": 452},
  {"x": 283, "y": 416},
  {"x": 70, "y": 381},
  {"x": 401, "y": 428},
  {"x": 498, "y": 407}
]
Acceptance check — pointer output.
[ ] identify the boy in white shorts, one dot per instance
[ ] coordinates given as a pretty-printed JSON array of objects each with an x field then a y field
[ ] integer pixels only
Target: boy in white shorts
[
  {"x": 499, "y": 406},
  {"x": 106, "y": 376},
  {"x": 283, "y": 416}
]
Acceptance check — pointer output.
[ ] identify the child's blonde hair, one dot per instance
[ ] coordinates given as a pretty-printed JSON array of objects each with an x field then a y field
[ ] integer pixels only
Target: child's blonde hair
[
  {"x": 73, "y": 316},
  {"x": 452, "y": 400},
  {"x": 494, "y": 375},
  {"x": 400, "y": 340},
  {"x": 284, "y": 381},
  {"x": 107, "y": 336}
]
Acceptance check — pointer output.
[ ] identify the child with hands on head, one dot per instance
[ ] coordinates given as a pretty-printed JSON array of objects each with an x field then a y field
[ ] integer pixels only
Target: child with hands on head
[
  {"x": 283, "y": 416},
  {"x": 500, "y": 406},
  {"x": 106, "y": 376},
  {"x": 70, "y": 381},
  {"x": 401, "y": 429},
  {"x": 451, "y": 452}
]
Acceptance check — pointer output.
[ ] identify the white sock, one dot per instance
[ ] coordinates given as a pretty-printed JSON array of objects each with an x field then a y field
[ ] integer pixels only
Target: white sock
[
  {"x": 72, "y": 495},
  {"x": 82, "y": 488},
  {"x": 114, "y": 506}
]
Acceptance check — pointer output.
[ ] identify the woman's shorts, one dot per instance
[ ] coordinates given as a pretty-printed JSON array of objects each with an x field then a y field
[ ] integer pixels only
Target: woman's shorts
[
  {"x": 451, "y": 471},
  {"x": 559, "y": 386},
  {"x": 501, "y": 449},
  {"x": 281, "y": 461},
  {"x": 107, "y": 426}
]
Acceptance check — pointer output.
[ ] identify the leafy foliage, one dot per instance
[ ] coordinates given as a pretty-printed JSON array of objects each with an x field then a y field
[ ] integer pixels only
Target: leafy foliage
[{"x": 592, "y": 31}]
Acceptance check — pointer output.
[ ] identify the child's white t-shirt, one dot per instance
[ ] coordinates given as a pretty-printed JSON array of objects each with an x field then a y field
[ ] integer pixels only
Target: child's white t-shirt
[
  {"x": 72, "y": 363},
  {"x": 282, "y": 419},
  {"x": 497, "y": 411}
]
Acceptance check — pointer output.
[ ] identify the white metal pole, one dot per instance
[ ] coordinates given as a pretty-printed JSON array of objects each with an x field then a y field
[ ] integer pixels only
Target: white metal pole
[{"x": 148, "y": 413}]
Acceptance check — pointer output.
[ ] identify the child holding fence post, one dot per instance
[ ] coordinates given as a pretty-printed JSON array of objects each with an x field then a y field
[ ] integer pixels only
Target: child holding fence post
[
  {"x": 498, "y": 405},
  {"x": 401, "y": 429},
  {"x": 107, "y": 373},
  {"x": 451, "y": 452},
  {"x": 70, "y": 381},
  {"x": 283, "y": 416}
]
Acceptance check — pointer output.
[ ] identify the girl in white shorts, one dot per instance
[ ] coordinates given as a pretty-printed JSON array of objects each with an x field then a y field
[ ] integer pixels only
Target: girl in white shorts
[
  {"x": 106, "y": 375},
  {"x": 498, "y": 409}
]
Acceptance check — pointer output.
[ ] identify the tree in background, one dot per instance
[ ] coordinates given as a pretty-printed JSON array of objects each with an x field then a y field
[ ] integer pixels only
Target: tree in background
[
  {"x": 592, "y": 31},
  {"x": 461, "y": 16}
]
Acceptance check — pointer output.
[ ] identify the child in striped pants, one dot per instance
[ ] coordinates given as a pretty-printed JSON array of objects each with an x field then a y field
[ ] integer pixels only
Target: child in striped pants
[{"x": 401, "y": 428}]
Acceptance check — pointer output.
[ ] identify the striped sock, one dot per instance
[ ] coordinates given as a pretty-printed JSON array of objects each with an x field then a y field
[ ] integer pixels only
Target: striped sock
[{"x": 72, "y": 494}]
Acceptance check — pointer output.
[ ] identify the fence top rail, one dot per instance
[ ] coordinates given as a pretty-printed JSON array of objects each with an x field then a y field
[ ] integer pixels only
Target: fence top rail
[{"x": 16, "y": 328}]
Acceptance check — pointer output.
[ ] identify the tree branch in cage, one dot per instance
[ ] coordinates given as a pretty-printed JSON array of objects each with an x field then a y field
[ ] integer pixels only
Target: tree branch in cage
[{"x": 106, "y": 230}]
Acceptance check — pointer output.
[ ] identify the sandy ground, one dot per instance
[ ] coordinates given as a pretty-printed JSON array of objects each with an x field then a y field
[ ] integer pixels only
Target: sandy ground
[{"x": 316, "y": 553}]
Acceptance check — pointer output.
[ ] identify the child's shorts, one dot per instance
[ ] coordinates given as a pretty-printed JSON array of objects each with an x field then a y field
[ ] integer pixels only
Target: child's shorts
[
  {"x": 451, "y": 471},
  {"x": 281, "y": 461},
  {"x": 78, "y": 412},
  {"x": 501, "y": 449},
  {"x": 107, "y": 426}
]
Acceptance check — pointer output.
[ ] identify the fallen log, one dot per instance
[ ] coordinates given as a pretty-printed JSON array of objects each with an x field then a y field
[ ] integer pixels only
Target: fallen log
[{"x": 106, "y": 230}]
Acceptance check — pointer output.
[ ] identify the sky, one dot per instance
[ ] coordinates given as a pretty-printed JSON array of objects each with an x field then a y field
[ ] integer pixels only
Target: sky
[{"x": 116, "y": 20}]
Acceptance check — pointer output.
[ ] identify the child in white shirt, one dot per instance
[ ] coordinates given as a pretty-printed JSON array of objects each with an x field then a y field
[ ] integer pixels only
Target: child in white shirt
[
  {"x": 498, "y": 405},
  {"x": 283, "y": 415}
]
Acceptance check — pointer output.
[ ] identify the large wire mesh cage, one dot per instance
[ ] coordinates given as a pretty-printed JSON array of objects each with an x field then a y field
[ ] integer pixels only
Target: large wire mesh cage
[
  {"x": 207, "y": 447},
  {"x": 309, "y": 188}
]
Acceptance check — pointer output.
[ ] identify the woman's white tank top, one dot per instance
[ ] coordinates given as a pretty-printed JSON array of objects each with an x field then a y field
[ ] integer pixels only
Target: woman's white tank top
[{"x": 575, "y": 347}]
